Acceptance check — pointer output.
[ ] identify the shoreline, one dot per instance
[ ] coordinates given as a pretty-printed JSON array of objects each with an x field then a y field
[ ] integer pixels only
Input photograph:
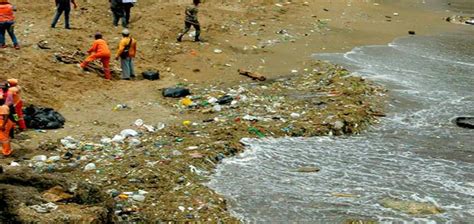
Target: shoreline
[
  {"x": 271, "y": 44},
  {"x": 173, "y": 163}
]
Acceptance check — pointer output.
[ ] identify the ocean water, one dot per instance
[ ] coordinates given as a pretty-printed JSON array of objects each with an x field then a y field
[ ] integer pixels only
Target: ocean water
[{"x": 416, "y": 152}]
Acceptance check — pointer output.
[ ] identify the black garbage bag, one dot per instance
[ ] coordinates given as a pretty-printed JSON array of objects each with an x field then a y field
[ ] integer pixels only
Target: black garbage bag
[
  {"x": 43, "y": 118},
  {"x": 225, "y": 100},
  {"x": 151, "y": 75},
  {"x": 176, "y": 92}
]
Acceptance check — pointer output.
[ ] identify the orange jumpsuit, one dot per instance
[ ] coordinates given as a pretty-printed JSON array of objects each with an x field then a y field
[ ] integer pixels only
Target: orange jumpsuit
[
  {"x": 99, "y": 50},
  {"x": 5, "y": 132},
  {"x": 18, "y": 104}
]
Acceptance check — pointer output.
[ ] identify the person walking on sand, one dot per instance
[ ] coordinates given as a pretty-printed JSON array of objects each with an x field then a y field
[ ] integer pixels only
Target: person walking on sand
[
  {"x": 126, "y": 52},
  {"x": 7, "y": 22},
  {"x": 127, "y": 6},
  {"x": 63, "y": 6},
  {"x": 99, "y": 51},
  {"x": 118, "y": 12},
  {"x": 191, "y": 19}
]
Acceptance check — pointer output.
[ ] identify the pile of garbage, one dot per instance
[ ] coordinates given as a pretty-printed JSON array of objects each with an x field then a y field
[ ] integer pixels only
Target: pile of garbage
[
  {"x": 466, "y": 20},
  {"x": 43, "y": 118},
  {"x": 156, "y": 172},
  {"x": 317, "y": 101}
]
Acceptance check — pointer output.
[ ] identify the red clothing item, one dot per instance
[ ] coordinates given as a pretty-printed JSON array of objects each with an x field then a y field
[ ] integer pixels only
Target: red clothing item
[
  {"x": 105, "y": 63},
  {"x": 6, "y": 13},
  {"x": 21, "y": 117}
]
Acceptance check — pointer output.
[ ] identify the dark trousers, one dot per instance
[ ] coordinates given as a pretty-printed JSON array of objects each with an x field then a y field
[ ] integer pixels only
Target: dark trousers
[
  {"x": 119, "y": 14},
  {"x": 187, "y": 27},
  {"x": 60, "y": 10},
  {"x": 127, "y": 8},
  {"x": 7, "y": 26}
]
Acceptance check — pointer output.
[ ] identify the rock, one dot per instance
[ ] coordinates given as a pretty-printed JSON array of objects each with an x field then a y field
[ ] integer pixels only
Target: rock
[
  {"x": 338, "y": 125},
  {"x": 465, "y": 122},
  {"x": 411, "y": 32},
  {"x": 307, "y": 169},
  {"x": 411, "y": 207},
  {"x": 56, "y": 194}
]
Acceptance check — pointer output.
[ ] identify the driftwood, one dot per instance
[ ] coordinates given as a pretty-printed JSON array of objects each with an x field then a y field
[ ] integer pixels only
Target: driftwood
[
  {"x": 77, "y": 57},
  {"x": 252, "y": 75}
]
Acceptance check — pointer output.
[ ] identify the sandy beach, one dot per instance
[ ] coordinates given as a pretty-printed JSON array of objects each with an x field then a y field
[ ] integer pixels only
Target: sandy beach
[{"x": 268, "y": 37}]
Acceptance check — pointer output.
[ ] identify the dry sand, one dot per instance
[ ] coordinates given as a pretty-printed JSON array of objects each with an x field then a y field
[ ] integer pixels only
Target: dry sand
[{"x": 86, "y": 99}]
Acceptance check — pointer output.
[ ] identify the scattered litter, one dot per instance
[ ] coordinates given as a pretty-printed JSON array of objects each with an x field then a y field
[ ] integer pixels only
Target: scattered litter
[
  {"x": 129, "y": 133},
  {"x": 89, "y": 167},
  {"x": 44, "y": 208}
]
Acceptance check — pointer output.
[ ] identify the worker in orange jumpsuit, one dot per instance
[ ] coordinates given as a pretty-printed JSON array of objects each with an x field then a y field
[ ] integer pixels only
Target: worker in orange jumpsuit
[
  {"x": 6, "y": 126},
  {"x": 99, "y": 50},
  {"x": 15, "y": 91}
]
